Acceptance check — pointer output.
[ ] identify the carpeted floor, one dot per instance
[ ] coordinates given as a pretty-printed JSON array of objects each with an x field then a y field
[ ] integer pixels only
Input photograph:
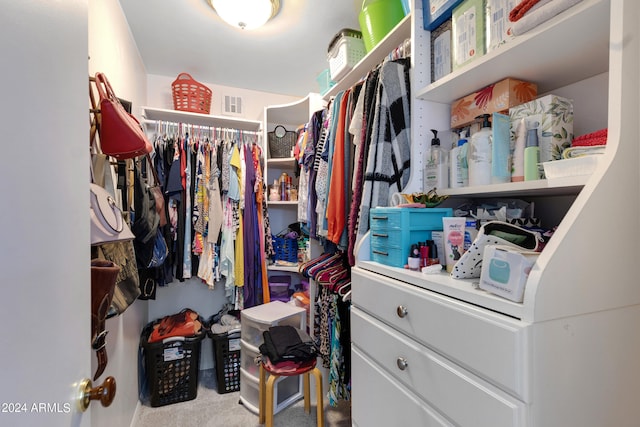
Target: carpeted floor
[{"x": 210, "y": 409}]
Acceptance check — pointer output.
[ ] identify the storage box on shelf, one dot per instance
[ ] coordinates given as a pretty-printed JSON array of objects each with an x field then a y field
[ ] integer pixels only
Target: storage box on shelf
[
  {"x": 254, "y": 321},
  {"x": 497, "y": 97},
  {"x": 345, "y": 50},
  {"x": 469, "y": 27},
  {"x": 394, "y": 230},
  {"x": 552, "y": 117}
]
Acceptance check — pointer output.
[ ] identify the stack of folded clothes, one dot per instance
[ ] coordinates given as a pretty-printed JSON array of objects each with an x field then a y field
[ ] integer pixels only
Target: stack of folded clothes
[
  {"x": 588, "y": 144},
  {"x": 286, "y": 348},
  {"x": 528, "y": 14}
]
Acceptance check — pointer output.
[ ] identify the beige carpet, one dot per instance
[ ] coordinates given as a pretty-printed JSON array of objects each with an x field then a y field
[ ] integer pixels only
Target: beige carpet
[{"x": 210, "y": 409}]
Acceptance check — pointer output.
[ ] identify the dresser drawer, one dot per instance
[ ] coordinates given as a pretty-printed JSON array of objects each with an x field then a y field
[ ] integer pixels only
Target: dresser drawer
[
  {"x": 377, "y": 399},
  {"x": 408, "y": 218},
  {"x": 486, "y": 343},
  {"x": 459, "y": 395}
]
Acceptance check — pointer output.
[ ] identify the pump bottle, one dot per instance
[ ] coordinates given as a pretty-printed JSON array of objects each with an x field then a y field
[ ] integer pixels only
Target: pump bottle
[
  {"x": 436, "y": 165},
  {"x": 458, "y": 169},
  {"x": 479, "y": 157},
  {"x": 531, "y": 153}
]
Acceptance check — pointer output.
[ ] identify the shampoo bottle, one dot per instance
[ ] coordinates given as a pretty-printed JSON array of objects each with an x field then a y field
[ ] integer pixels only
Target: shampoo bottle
[
  {"x": 479, "y": 157},
  {"x": 458, "y": 169},
  {"x": 531, "y": 153},
  {"x": 436, "y": 166}
]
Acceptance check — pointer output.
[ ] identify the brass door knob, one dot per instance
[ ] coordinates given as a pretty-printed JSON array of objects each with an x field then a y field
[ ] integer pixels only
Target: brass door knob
[{"x": 105, "y": 393}]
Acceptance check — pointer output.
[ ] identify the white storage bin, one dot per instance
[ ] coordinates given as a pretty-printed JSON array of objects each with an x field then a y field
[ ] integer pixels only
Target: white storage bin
[
  {"x": 345, "y": 51},
  {"x": 248, "y": 355},
  {"x": 256, "y": 320},
  {"x": 287, "y": 390}
]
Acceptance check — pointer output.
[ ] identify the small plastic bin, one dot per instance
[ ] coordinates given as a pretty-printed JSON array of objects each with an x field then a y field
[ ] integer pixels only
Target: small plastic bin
[
  {"x": 226, "y": 356},
  {"x": 279, "y": 288},
  {"x": 345, "y": 51},
  {"x": 171, "y": 367}
]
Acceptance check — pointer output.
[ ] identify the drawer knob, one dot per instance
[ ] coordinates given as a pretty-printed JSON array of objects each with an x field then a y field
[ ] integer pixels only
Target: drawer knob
[
  {"x": 402, "y": 363},
  {"x": 402, "y": 311}
]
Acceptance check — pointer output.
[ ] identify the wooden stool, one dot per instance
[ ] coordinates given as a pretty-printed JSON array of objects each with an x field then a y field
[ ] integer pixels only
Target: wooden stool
[{"x": 266, "y": 390}]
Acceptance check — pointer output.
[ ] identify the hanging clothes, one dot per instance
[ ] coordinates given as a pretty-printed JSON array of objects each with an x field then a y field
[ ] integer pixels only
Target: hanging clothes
[{"x": 389, "y": 156}]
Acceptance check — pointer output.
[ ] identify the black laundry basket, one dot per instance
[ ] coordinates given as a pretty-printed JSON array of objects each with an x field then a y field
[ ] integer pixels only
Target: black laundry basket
[
  {"x": 226, "y": 356},
  {"x": 171, "y": 367}
]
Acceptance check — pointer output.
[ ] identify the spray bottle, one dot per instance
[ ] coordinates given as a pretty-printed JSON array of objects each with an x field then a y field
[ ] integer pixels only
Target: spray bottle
[
  {"x": 436, "y": 166},
  {"x": 479, "y": 157}
]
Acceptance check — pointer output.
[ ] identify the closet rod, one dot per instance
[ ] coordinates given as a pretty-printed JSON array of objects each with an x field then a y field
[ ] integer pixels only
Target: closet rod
[{"x": 160, "y": 123}]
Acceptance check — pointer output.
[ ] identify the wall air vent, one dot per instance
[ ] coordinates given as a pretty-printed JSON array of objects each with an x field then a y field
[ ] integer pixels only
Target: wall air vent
[{"x": 231, "y": 105}]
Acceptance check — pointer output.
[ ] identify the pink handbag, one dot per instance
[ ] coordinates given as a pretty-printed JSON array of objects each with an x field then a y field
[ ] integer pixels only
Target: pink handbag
[{"x": 121, "y": 135}]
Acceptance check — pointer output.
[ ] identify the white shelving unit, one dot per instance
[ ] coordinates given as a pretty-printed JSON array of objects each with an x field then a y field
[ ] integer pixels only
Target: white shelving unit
[
  {"x": 428, "y": 349},
  {"x": 152, "y": 115}
]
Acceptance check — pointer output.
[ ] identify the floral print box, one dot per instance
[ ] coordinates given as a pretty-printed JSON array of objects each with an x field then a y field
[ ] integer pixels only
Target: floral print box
[
  {"x": 498, "y": 97},
  {"x": 553, "y": 117}
]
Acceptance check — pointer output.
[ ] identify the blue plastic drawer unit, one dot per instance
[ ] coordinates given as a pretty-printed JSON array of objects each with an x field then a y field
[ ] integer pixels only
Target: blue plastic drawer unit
[{"x": 394, "y": 230}]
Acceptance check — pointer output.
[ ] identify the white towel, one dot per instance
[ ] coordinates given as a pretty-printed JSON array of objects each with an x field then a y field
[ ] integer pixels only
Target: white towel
[{"x": 538, "y": 15}]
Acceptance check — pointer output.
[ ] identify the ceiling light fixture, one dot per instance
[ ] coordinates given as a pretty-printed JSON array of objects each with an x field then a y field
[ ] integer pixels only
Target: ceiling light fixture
[{"x": 246, "y": 14}]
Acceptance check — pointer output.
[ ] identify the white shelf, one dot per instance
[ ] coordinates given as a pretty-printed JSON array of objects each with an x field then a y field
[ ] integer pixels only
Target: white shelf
[
  {"x": 566, "y": 49},
  {"x": 542, "y": 187},
  {"x": 164, "y": 115},
  {"x": 396, "y": 36},
  {"x": 290, "y": 269},
  {"x": 283, "y": 202},
  {"x": 285, "y": 162}
]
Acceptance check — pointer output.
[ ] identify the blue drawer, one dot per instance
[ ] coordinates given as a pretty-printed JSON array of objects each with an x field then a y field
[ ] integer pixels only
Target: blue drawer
[
  {"x": 391, "y": 256},
  {"x": 393, "y": 238},
  {"x": 408, "y": 218}
]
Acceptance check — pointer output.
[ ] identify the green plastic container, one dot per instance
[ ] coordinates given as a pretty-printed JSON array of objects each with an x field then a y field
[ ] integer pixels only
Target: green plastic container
[{"x": 377, "y": 18}]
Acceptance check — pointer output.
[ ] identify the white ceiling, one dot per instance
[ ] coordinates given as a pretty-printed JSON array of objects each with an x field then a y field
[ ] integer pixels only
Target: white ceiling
[{"x": 285, "y": 56}]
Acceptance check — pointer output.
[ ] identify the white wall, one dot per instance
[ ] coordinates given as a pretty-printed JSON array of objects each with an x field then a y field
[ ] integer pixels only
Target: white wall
[{"x": 113, "y": 51}]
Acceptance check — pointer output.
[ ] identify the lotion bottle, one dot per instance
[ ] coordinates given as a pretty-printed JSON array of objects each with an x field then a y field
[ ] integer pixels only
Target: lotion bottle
[
  {"x": 532, "y": 153},
  {"x": 458, "y": 169},
  {"x": 479, "y": 157},
  {"x": 436, "y": 166}
]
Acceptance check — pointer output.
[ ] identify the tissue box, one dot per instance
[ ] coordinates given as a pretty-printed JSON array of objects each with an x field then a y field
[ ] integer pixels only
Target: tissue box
[
  {"x": 498, "y": 24},
  {"x": 495, "y": 98},
  {"x": 435, "y": 12},
  {"x": 505, "y": 271},
  {"x": 469, "y": 25},
  {"x": 554, "y": 115}
]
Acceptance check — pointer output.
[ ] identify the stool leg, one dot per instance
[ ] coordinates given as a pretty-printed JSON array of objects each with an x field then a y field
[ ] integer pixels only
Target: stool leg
[
  {"x": 319, "y": 403},
  {"x": 307, "y": 392},
  {"x": 261, "y": 395},
  {"x": 269, "y": 401}
]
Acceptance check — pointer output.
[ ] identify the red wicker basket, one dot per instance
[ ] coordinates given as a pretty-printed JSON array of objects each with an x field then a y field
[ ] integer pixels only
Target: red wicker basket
[{"x": 189, "y": 95}]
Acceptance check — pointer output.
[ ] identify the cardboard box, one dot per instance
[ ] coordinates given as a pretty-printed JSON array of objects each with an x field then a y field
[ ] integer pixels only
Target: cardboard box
[
  {"x": 469, "y": 28},
  {"x": 554, "y": 115},
  {"x": 505, "y": 271},
  {"x": 441, "y": 51},
  {"x": 498, "y": 24},
  {"x": 435, "y": 12},
  {"x": 496, "y": 98}
]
